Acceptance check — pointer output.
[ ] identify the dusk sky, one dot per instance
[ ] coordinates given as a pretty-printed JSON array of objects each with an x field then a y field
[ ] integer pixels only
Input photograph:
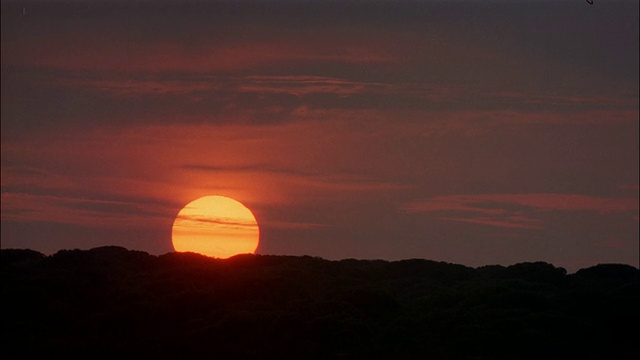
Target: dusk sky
[{"x": 490, "y": 132}]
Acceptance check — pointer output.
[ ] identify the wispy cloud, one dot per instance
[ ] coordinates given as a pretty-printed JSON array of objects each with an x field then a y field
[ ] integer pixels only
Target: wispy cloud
[
  {"x": 317, "y": 181},
  {"x": 305, "y": 85},
  {"x": 218, "y": 220},
  {"x": 167, "y": 55},
  {"x": 48, "y": 205},
  {"x": 513, "y": 222},
  {"x": 517, "y": 210},
  {"x": 543, "y": 201},
  {"x": 293, "y": 225},
  {"x": 44, "y": 100}
]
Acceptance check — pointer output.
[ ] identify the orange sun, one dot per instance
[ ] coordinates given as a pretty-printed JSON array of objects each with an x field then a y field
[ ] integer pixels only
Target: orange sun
[{"x": 215, "y": 226}]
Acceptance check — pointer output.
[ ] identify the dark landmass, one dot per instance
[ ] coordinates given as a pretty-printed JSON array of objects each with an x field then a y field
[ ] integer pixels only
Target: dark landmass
[{"x": 109, "y": 301}]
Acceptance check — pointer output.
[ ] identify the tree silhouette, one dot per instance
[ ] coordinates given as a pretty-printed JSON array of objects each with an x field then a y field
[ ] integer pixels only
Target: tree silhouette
[{"x": 111, "y": 302}]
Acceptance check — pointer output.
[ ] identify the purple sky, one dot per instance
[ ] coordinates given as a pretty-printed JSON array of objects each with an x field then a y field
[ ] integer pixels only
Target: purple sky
[{"x": 468, "y": 132}]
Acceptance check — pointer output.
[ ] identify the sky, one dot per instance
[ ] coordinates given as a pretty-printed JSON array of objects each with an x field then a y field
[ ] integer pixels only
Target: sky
[{"x": 468, "y": 132}]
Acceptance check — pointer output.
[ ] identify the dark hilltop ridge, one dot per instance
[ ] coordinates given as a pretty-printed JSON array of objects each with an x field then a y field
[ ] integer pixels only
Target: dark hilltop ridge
[{"x": 110, "y": 301}]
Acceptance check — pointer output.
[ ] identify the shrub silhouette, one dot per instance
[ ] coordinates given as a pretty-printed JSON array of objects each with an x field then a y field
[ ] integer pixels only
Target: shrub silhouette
[{"x": 110, "y": 301}]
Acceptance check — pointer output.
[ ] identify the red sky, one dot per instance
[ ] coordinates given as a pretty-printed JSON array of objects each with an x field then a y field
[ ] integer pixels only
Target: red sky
[{"x": 474, "y": 133}]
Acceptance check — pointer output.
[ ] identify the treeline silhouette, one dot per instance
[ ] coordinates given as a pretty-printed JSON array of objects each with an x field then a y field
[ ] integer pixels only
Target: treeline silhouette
[{"x": 110, "y": 301}]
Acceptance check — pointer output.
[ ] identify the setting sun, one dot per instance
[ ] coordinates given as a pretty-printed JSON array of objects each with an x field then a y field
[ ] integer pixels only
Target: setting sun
[{"x": 215, "y": 226}]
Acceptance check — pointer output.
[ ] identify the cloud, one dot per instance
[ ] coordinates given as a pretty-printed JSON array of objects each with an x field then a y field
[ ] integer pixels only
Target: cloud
[
  {"x": 513, "y": 222},
  {"x": 311, "y": 181},
  {"x": 79, "y": 65},
  {"x": 517, "y": 210},
  {"x": 293, "y": 225},
  {"x": 53, "y": 100},
  {"x": 313, "y": 91},
  {"x": 306, "y": 85},
  {"x": 130, "y": 48},
  {"x": 543, "y": 201},
  {"x": 71, "y": 207},
  {"x": 218, "y": 220},
  {"x": 630, "y": 187}
]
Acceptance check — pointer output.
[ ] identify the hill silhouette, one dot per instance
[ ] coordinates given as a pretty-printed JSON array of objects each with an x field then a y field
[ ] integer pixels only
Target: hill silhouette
[{"x": 110, "y": 301}]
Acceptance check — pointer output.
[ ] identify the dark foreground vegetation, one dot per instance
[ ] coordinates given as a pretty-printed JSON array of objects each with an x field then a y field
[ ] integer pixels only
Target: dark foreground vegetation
[{"x": 109, "y": 302}]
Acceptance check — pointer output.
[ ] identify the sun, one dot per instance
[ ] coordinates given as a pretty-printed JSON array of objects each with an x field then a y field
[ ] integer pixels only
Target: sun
[{"x": 215, "y": 226}]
